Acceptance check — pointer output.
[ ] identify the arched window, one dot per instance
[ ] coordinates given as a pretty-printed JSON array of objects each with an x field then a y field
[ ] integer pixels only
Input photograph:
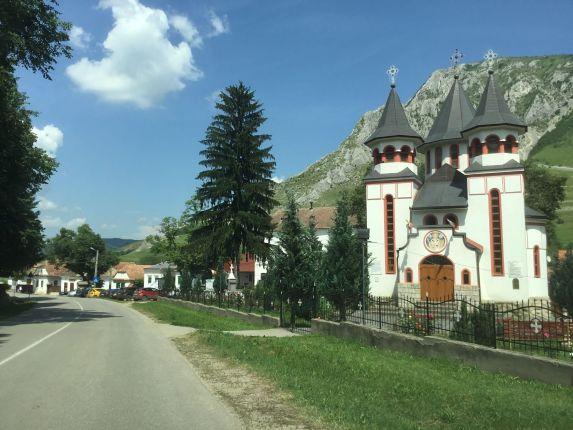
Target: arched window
[
  {"x": 492, "y": 143},
  {"x": 428, "y": 163},
  {"x": 405, "y": 154},
  {"x": 496, "y": 233},
  {"x": 455, "y": 155},
  {"x": 453, "y": 220},
  {"x": 438, "y": 157},
  {"x": 515, "y": 283},
  {"x": 389, "y": 152},
  {"x": 466, "y": 277},
  {"x": 511, "y": 144},
  {"x": 430, "y": 220},
  {"x": 376, "y": 156},
  {"x": 390, "y": 234},
  {"x": 476, "y": 147},
  {"x": 536, "y": 262},
  {"x": 408, "y": 276}
]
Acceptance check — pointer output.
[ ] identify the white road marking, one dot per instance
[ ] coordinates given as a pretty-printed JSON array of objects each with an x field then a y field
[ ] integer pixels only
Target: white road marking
[{"x": 29, "y": 347}]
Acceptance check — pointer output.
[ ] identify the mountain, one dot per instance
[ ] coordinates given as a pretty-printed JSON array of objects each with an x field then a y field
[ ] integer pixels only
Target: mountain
[
  {"x": 116, "y": 243},
  {"x": 538, "y": 89}
]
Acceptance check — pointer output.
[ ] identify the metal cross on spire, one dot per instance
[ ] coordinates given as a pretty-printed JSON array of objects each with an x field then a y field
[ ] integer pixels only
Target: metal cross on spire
[
  {"x": 392, "y": 72},
  {"x": 490, "y": 57},
  {"x": 456, "y": 58}
]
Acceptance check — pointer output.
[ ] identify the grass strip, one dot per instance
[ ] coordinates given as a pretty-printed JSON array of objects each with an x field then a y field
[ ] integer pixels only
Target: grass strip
[
  {"x": 13, "y": 306},
  {"x": 182, "y": 316},
  {"x": 354, "y": 386}
]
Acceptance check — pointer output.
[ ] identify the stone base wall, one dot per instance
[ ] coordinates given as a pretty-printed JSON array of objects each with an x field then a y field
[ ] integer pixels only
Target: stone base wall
[
  {"x": 484, "y": 358},
  {"x": 468, "y": 292},
  {"x": 265, "y": 320}
]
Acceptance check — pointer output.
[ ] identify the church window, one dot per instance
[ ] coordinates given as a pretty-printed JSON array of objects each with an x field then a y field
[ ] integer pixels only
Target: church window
[
  {"x": 496, "y": 232},
  {"x": 515, "y": 283},
  {"x": 390, "y": 235},
  {"x": 510, "y": 144},
  {"x": 430, "y": 220},
  {"x": 405, "y": 153},
  {"x": 409, "y": 276},
  {"x": 389, "y": 152},
  {"x": 466, "y": 277},
  {"x": 455, "y": 155},
  {"x": 536, "y": 262},
  {"x": 375, "y": 155},
  {"x": 492, "y": 143},
  {"x": 438, "y": 157},
  {"x": 476, "y": 147},
  {"x": 451, "y": 219},
  {"x": 428, "y": 163}
]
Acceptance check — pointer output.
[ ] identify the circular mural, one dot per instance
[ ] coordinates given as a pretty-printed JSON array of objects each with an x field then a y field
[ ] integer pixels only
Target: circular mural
[{"x": 435, "y": 241}]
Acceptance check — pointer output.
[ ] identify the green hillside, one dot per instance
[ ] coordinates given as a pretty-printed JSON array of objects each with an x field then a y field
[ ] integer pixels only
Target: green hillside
[
  {"x": 141, "y": 256},
  {"x": 555, "y": 148}
]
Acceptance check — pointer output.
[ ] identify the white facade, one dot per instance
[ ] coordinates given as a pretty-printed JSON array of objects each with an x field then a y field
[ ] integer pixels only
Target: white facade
[{"x": 153, "y": 274}]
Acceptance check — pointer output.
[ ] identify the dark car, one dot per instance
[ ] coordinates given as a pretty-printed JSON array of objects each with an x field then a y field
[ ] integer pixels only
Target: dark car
[
  {"x": 125, "y": 294},
  {"x": 114, "y": 292},
  {"x": 146, "y": 294},
  {"x": 82, "y": 291}
]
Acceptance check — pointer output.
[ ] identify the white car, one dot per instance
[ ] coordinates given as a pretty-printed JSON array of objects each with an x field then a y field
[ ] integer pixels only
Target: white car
[{"x": 72, "y": 293}]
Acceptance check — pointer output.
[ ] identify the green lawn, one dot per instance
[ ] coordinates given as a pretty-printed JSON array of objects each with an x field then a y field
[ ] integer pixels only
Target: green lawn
[
  {"x": 13, "y": 307},
  {"x": 179, "y": 315},
  {"x": 350, "y": 385}
]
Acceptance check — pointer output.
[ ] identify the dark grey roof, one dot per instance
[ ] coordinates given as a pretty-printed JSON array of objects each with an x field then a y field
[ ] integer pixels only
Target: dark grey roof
[
  {"x": 447, "y": 188},
  {"x": 532, "y": 213},
  {"x": 456, "y": 112},
  {"x": 510, "y": 165},
  {"x": 393, "y": 122},
  {"x": 374, "y": 176},
  {"x": 492, "y": 109}
]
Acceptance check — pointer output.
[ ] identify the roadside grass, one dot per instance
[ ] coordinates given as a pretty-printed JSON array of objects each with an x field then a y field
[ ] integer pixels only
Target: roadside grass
[
  {"x": 13, "y": 307},
  {"x": 179, "y": 315},
  {"x": 350, "y": 385}
]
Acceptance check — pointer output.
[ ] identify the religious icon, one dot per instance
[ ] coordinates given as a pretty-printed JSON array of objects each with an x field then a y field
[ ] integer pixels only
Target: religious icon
[{"x": 435, "y": 241}]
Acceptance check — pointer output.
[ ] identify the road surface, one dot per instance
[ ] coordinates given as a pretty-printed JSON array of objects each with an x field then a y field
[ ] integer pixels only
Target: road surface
[{"x": 78, "y": 363}]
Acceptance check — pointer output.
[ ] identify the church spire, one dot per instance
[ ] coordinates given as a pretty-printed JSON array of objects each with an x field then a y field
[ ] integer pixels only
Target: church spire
[
  {"x": 393, "y": 122},
  {"x": 492, "y": 108}
]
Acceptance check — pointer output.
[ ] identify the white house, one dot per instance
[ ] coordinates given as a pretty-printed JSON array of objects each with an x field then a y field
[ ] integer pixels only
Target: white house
[
  {"x": 465, "y": 230},
  {"x": 50, "y": 279},
  {"x": 123, "y": 275},
  {"x": 152, "y": 275}
]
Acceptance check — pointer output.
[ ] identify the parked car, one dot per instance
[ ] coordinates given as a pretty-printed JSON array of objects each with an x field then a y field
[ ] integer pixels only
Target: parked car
[
  {"x": 125, "y": 293},
  {"x": 103, "y": 293},
  {"x": 94, "y": 292},
  {"x": 72, "y": 293},
  {"x": 63, "y": 293},
  {"x": 113, "y": 293},
  {"x": 146, "y": 294},
  {"x": 82, "y": 291}
]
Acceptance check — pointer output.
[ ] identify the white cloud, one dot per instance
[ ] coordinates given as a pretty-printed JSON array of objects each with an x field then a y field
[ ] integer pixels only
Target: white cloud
[
  {"x": 277, "y": 179},
  {"x": 213, "y": 98},
  {"x": 75, "y": 223},
  {"x": 50, "y": 222},
  {"x": 46, "y": 205},
  {"x": 49, "y": 138},
  {"x": 187, "y": 30},
  {"x": 79, "y": 37},
  {"x": 140, "y": 65},
  {"x": 220, "y": 25},
  {"x": 145, "y": 230},
  {"x": 108, "y": 226}
]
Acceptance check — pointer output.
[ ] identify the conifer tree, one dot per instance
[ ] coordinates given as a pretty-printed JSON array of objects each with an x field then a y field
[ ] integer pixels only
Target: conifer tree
[
  {"x": 561, "y": 281},
  {"x": 342, "y": 264},
  {"x": 236, "y": 192}
]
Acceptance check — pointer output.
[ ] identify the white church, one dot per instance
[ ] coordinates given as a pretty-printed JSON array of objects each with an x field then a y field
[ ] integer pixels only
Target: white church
[{"x": 465, "y": 230}]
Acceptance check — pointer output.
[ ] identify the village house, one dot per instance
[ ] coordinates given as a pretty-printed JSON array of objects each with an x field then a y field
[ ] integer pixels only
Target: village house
[
  {"x": 123, "y": 275},
  {"x": 48, "y": 278},
  {"x": 154, "y": 274}
]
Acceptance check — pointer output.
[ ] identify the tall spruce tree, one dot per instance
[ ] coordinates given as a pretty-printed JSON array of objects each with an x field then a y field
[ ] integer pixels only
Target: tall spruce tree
[
  {"x": 236, "y": 192},
  {"x": 342, "y": 264},
  {"x": 561, "y": 281}
]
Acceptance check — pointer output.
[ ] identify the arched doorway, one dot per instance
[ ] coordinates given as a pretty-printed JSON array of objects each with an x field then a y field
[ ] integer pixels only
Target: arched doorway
[{"x": 437, "y": 278}]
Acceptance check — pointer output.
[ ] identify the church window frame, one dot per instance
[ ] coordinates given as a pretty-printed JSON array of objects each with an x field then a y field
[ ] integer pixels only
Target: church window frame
[
  {"x": 493, "y": 144},
  {"x": 466, "y": 277},
  {"x": 428, "y": 162},
  {"x": 496, "y": 233},
  {"x": 376, "y": 156},
  {"x": 536, "y": 262},
  {"x": 453, "y": 218},
  {"x": 430, "y": 219},
  {"x": 476, "y": 147},
  {"x": 408, "y": 276},
  {"x": 405, "y": 153},
  {"x": 511, "y": 145},
  {"x": 389, "y": 153},
  {"x": 438, "y": 160},
  {"x": 390, "y": 234},
  {"x": 455, "y": 155}
]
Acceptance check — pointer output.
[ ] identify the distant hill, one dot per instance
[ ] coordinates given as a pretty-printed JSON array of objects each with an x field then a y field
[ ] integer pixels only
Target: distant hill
[
  {"x": 116, "y": 243},
  {"x": 132, "y": 250}
]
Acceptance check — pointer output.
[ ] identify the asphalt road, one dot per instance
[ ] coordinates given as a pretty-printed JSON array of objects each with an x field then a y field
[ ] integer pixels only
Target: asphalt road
[{"x": 77, "y": 363}]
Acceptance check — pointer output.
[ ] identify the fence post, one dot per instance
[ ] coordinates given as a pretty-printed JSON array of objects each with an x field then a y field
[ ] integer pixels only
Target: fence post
[
  {"x": 493, "y": 322},
  {"x": 379, "y": 313},
  {"x": 427, "y": 314}
]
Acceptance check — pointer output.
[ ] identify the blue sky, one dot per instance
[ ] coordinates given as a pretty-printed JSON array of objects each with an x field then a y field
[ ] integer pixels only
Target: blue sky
[{"x": 124, "y": 116}]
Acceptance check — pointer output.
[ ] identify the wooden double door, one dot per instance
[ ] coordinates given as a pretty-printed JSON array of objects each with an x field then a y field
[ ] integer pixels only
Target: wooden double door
[{"x": 437, "y": 280}]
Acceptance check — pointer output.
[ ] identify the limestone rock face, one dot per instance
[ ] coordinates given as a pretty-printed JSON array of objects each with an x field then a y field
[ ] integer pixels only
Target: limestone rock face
[{"x": 537, "y": 89}]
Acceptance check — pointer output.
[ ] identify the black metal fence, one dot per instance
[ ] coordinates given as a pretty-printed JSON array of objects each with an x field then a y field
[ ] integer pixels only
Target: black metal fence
[{"x": 534, "y": 326}]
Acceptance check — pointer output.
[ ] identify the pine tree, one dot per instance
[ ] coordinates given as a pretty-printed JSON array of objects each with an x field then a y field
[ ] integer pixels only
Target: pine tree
[
  {"x": 342, "y": 264},
  {"x": 314, "y": 256},
  {"x": 561, "y": 281},
  {"x": 220, "y": 283},
  {"x": 236, "y": 193}
]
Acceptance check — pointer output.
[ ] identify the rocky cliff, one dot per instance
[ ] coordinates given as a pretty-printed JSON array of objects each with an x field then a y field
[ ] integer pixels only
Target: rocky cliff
[{"x": 538, "y": 89}]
